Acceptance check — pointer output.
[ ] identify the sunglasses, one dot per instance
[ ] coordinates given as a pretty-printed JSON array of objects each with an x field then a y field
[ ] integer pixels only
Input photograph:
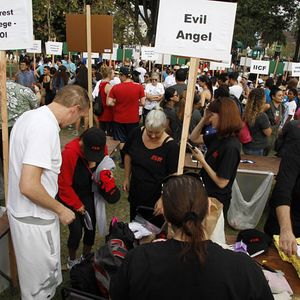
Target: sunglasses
[{"x": 154, "y": 79}]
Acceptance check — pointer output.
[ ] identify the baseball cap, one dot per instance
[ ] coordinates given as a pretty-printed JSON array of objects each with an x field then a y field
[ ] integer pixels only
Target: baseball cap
[
  {"x": 255, "y": 240},
  {"x": 124, "y": 71},
  {"x": 94, "y": 141}
]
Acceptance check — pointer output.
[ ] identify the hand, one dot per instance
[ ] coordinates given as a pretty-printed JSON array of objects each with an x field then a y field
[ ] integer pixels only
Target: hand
[
  {"x": 66, "y": 216},
  {"x": 126, "y": 185},
  {"x": 81, "y": 210},
  {"x": 287, "y": 242},
  {"x": 198, "y": 155},
  {"x": 158, "y": 208}
]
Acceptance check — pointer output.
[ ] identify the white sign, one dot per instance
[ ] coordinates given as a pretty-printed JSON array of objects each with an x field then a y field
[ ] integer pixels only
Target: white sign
[
  {"x": 260, "y": 67},
  {"x": 164, "y": 59},
  {"x": 200, "y": 28},
  {"x": 16, "y": 30},
  {"x": 148, "y": 53},
  {"x": 296, "y": 69},
  {"x": 94, "y": 55},
  {"x": 36, "y": 47},
  {"x": 112, "y": 56},
  {"x": 54, "y": 48},
  {"x": 245, "y": 61},
  {"x": 287, "y": 66}
]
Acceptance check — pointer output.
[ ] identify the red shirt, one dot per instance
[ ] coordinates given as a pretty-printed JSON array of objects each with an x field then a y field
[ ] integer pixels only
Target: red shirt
[
  {"x": 127, "y": 95},
  {"x": 107, "y": 115}
]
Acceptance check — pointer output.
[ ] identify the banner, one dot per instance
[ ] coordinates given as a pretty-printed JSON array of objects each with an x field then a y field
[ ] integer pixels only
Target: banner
[
  {"x": 260, "y": 67},
  {"x": 245, "y": 61},
  {"x": 36, "y": 47},
  {"x": 296, "y": 69},
  {"x": 113, "y": 56},
  {"x": 54, "y": 48},
  {"x": 148, "y": 53},
  {"x": 200, "y": 28},
  {"x": 94, "y": 55},
  {"x": 16, "y": 30}
]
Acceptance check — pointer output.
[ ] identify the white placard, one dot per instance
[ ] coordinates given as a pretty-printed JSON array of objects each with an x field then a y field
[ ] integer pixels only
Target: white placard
[
  {"x": 200, "y": 28},
  {"x": 245, "y": 61},
  {"x": 296, "y": 69},
  {"x": 287, "y": 66},
  {"x": 148, "y": 53},
  {"x": 113, "y": 55},
  {"x": 16, "y": 30},
  {"x": 260, "y": 67},
  {"x": 54, "y": 48},
  {"x": 36, "y": 47},
  {"x": 94, "y": 55},
  {"x": 163, "y": 59}
]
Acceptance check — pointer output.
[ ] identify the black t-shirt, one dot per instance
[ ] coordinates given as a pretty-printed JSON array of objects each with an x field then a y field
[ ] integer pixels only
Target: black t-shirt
[
  {"x": 180, "y": 88},
  {"x": 223, "y": 156},
  {"x": 157, "y": 271},
  {"x": 260, "y": 140},
  {"x": 149, "y": 167}
]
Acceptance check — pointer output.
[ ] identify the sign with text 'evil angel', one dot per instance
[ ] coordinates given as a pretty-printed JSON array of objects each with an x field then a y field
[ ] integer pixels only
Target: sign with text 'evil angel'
[
  {"x": 54, "y": 48},
  {"x": 36, "y": 47},
  {"x": 199, "y": 28},
  {"x": 16, "y": 30},
  {"x": 259, "y": 67},
  {"x": 296, "y": 69}
]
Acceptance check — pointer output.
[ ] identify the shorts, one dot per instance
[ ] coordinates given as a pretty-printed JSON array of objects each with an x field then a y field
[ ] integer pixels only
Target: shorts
[
  {"x": 121, "y": 131},
  {"x": 37, "y": 250}
]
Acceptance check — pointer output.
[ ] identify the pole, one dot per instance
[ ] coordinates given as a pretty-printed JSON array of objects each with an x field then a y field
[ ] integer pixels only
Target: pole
[
  {"x": 110, "y": 58},
  {"x": 276, "y": 66},
  {"x": 256, "y": 83},
  {"x": 89, "y": 52},
  {"x": 188, "y": 111},
  {"x": 3, "y": 99}
]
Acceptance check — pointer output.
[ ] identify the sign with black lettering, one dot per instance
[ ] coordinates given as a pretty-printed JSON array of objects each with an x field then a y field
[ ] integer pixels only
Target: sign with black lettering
[
  {"x": 259, "y": 67},
  {"x": 54, "y": 48},
  {"x": 36, "y": 47},
  {"x": 148, "y": 53},
  {"x": 197, "y": 28},
  {"x": 16, "y": 30},
  {"x": 296, "y": 69}
]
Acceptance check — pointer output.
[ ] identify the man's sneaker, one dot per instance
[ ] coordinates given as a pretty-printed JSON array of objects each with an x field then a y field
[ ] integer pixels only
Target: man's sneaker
[{"x": 72, "y": 263}]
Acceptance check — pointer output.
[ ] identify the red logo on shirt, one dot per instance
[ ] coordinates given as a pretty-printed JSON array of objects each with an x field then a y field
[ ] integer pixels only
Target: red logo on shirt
[
  {"x": 215, "y": 154},
  {"x": 156, "y": 158}
]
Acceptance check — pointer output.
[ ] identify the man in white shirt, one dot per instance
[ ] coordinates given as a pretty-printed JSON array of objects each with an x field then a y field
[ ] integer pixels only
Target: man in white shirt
[
  {"x": 170, "y": 79},
  {"x": 34, "y": 213},
  {"x": 234, "y": 88},
  {"x": 142, "y": 71}
]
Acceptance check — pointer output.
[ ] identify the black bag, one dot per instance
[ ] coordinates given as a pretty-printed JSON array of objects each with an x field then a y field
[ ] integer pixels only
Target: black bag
[
  {"x": 82, "y": 276},
  {"x": 98, "y": 105}
]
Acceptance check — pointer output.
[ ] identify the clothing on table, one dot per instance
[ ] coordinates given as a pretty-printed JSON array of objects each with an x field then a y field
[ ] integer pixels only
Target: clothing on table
[
  {"x": 148, "y": 168},
  {"x": 35, "y": 141},
  {"x": 223, "y": 156},
  {"x": 157, "y": 271},
  {"x": 259, "y": 139},
  {"x": 286, "y": 191}
]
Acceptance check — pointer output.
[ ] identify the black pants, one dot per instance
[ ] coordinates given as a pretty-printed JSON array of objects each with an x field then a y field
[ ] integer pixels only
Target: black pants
[{"x": 77, "y": 227}]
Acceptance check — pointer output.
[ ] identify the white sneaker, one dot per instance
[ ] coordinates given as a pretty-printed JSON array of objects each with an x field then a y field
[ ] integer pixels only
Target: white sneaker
[{"x": 72, "y": 263}]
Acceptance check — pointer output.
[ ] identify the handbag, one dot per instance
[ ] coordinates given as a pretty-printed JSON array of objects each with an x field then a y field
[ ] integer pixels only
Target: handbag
[{"x": 245, "y": 134}]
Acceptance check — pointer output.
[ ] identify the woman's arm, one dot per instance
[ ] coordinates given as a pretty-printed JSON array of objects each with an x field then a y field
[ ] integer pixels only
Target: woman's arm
[
  {"x": 127, "y": 169},
  {"x": 196, "y": 136},
  {"x": 219, "y": 181}
]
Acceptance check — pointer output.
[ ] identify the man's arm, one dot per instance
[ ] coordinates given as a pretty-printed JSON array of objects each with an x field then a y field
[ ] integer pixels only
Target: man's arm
[
  {"x": 287, "y": 240},
  {"x": 30, "y": 186}
]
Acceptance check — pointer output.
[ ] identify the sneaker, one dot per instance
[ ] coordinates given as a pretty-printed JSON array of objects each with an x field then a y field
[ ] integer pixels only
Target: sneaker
[{"x": 72, "y": 263}]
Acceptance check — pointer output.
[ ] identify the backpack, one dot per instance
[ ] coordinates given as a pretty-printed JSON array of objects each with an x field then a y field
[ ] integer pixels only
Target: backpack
[
  {"x": 98, "y": 105},
  {"x": 82, "y": 276},
  {"x": 107, "y": 260}
]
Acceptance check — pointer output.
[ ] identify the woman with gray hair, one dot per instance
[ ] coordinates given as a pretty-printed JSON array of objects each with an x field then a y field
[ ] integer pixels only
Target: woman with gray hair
[{"x": 150, "y": 155}]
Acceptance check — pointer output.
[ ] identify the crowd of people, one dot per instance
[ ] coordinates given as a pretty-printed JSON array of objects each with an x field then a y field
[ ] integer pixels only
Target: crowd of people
[{"x": 145, "y": 111}]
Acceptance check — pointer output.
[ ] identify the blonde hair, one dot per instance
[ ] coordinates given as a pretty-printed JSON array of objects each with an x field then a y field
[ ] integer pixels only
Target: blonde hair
[
  {"x": 106, "y": 72},
  {"x": 156, "y": 119}
]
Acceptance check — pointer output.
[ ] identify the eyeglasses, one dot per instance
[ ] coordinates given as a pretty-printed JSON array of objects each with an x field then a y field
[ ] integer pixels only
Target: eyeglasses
[{"x": 154, "y": 79}]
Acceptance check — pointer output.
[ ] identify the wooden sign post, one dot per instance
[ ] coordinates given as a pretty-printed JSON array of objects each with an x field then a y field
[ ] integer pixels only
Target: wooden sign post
[
  {"x": 194, "y": 65},
  {"x": 89, "y": 62}
]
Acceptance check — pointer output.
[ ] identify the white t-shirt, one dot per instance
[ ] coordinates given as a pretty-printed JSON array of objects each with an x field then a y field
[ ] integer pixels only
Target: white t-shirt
[
  {"x": 142, "y": 72},
  {"x": 169, "y": 81},
  {"x": 34, "y": 141},
  {"x": 236, "y": 90},
  {"x": 115, "y": 81},
  {"x": 289, "y": 110},
  {"x": 155, "y": 90}
]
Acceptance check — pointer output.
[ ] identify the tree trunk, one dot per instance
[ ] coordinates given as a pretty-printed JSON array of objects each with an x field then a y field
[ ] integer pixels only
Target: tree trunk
[{"x": 296, "y": 56}]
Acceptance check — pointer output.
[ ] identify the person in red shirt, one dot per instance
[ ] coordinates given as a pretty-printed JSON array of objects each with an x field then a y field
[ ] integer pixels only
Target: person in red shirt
[
  {"x": 106, "y": 118},
  {"x": 125, "y": 98}
]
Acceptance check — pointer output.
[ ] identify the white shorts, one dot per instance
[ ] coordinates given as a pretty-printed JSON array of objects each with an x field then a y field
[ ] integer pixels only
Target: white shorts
[{"x": 37, "y": 250}]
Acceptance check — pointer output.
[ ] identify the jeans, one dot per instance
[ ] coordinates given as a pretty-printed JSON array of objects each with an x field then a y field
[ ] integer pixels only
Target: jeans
[{"x": 249, "y": 151}]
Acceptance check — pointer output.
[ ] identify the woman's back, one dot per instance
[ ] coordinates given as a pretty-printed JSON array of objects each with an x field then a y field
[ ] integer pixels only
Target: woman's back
[{"x": 157, "y": 271}]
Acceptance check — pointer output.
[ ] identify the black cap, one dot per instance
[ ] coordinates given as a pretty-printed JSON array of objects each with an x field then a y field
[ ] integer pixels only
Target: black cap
[
  {"x": 94, "y": 141},
  {"x": 255, "y": 240},
  {"x": 125, "y": 71}
]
